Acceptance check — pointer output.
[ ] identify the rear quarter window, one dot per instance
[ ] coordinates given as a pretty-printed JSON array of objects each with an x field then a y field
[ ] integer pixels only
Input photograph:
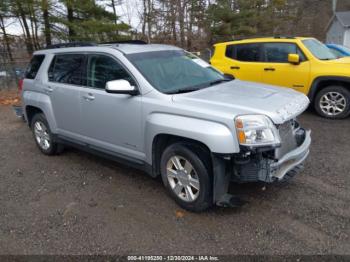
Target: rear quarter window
[
  {"x": 34, "y": 66},
  {"x": 230, "y": 51}
]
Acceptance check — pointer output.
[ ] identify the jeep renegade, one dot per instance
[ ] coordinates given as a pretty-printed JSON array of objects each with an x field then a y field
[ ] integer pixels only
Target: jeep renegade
[{"x": 303, "y": 64}]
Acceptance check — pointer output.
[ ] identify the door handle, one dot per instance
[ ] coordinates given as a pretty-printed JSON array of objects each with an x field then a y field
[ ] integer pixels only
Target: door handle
[
  {"x": 235, "y": 67},
  {"x": 269, "y": 69},
  {"x": 89, "y": 97}
]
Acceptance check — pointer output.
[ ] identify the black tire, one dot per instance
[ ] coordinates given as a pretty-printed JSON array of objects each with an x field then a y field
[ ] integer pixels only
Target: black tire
[
  {"x": 197, "y": 159},
  {"x": 53, "y": 148},
  {"x": 337, "y": 89}
]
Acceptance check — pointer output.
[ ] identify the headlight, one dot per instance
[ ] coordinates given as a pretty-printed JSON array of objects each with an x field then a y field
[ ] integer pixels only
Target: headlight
[{"x": 256, "y": 130}]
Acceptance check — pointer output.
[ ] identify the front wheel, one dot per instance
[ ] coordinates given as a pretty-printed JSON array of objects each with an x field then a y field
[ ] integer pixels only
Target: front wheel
[
  {"x": 333, "y": 102},
  {"x": 186, "y": 177}
]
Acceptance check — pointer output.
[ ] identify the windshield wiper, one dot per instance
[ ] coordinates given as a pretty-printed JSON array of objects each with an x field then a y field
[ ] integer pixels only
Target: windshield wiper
[
  {"x": 187, "y": 90},
  {"x": 183, "y": 90},
  {"x": 216, "y": 82}
]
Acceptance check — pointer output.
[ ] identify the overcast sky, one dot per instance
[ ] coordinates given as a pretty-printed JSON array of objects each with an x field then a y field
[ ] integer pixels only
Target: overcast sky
[{"x": 128, "y": 12}]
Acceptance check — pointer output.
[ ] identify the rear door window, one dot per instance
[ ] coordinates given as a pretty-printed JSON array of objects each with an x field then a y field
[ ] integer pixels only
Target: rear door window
[
  {"x": 244, "y": 52},
  {"x": 34, "y": 66},
  {"x": 68, "y": 69}
]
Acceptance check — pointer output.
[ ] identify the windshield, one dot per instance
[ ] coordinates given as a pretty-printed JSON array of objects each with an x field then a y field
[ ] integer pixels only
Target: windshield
[
  {"x": 175, "y": 71},
  {"x": 319, "y": 50}
]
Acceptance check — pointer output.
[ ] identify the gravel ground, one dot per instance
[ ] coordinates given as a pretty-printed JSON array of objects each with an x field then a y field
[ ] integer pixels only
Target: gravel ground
[{"x": 78, "y": 203}]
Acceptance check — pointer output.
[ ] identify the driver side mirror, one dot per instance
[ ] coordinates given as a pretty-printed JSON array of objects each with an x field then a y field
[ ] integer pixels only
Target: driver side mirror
[
  {"x": 294, "y": 59},
  {"x": 120, "y": 87}
]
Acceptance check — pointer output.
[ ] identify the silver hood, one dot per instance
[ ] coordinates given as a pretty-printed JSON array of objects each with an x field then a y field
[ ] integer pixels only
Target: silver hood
[{"x": 241, "y": 97}]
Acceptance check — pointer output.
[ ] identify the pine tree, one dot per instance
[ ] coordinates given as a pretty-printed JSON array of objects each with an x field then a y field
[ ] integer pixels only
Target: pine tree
[
  {"x": 88, "y": 21},
  {"x": 241, "y": 18}
]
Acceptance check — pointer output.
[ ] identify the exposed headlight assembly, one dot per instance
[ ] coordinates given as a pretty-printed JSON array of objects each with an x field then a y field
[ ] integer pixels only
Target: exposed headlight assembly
[{"x": 256, "y": 131}]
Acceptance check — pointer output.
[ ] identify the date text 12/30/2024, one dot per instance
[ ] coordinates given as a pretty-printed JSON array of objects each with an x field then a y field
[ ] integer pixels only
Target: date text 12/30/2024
[{"x": 173, "y": 258}]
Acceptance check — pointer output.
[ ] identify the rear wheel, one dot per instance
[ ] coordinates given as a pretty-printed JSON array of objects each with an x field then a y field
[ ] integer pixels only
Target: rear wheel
[
  {"x": 43, "y": 136},
  {"x": 333, "y": 102},
  {"x": 186, "y": 177}
]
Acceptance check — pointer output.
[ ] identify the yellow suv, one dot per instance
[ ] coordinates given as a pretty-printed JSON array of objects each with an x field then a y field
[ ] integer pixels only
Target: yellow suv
[{"x": 301, "y": 63}]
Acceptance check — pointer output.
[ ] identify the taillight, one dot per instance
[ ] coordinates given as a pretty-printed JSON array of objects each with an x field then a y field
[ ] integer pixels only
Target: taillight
[{"x": 20, "y": 86}]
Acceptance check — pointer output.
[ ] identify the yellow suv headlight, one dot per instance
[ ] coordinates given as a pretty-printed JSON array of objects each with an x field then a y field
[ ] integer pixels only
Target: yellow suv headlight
[{"x": 256, "y": 130}]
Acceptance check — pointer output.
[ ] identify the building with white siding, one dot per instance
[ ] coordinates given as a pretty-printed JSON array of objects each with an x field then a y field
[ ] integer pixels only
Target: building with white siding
[{"x": 338, "y": 30}]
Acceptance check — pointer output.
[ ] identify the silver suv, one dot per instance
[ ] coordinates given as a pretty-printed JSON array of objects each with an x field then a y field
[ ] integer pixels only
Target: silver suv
[{"x": 167, "y": 112}]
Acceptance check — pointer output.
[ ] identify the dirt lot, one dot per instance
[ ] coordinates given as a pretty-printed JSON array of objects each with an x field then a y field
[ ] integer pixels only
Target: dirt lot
[{"x": 77, "y": 203}]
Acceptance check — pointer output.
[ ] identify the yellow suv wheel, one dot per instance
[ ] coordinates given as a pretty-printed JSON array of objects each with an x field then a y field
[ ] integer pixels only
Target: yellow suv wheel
[{"x": 333, "y": 102}]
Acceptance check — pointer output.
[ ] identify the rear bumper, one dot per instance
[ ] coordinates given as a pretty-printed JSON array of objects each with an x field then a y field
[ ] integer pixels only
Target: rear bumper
[{"x": 18, "y": 111}]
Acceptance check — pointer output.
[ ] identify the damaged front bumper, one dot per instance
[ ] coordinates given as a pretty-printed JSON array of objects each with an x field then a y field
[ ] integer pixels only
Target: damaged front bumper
[
  {"x": 272, "y": 164},
  {"x": 291, "y": 160},
  {"x": 260, "y": 165}
]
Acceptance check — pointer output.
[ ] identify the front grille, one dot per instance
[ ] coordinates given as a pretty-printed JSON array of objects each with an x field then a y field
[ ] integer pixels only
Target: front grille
[{"x": 288, "y": 141}]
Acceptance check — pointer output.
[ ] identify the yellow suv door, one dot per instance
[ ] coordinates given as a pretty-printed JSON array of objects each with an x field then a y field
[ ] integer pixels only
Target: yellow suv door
[
  {"x": 243, "y": 61},
  {"x": 278, "y": 71}
]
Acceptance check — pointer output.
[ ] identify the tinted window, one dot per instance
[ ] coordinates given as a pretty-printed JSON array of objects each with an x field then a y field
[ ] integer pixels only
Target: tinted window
[
  {"x": 278, "y": 52},
  {"x": 230, "y": 51},
  {"x": 34, "y": 66},
  {"x": 244, "y": 52},
  {"x": 102, "y": 69},
  {"x": 68, "y": 69}
]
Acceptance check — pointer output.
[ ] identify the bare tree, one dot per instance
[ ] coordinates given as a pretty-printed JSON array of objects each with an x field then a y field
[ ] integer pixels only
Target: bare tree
[{"x": 22, "y": 16}]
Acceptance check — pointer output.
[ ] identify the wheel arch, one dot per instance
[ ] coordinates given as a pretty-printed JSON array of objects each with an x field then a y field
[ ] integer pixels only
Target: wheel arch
[
  {"x": 324, "y": 81},
  {"x": 30, "y": 112},
  {"x": 163, "y": 140},
  {"x": 34, "y": 102},
  {"x": 217, "y": 137}
]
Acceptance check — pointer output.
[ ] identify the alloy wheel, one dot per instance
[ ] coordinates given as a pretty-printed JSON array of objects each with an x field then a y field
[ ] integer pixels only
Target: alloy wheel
[
  {"x": 333, "y": 103},
  {"x": 42, "y": 135},
  {"x": 183, "y": 178}
]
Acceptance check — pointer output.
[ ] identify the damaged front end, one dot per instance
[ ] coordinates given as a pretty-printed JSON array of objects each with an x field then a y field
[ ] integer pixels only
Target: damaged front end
[{"x": 262, "y": 163}]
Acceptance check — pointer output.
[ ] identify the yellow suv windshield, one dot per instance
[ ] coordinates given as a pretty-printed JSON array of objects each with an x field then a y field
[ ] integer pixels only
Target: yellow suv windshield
[{"x": 319, "y": 50}]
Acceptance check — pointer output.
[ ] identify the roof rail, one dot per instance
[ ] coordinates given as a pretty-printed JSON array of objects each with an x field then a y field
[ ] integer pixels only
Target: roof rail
[
  {"x": 70, "y": 44},
  {"x": 257, "y": 37},
  {"x": 284, "y": 37},
  {"x": 249, "y": 38},
  {"x": 134, "y": 42}
]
